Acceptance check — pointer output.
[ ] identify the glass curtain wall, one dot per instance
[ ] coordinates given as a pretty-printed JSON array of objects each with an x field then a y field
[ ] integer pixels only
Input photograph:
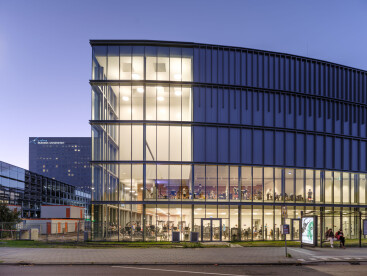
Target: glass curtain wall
[{"x": 157, "y": 189}]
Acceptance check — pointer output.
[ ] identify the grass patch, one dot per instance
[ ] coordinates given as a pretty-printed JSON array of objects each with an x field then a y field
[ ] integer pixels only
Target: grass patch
[
  {"x": 25, "y": 244},
  {"x": 105, "y": 244},
  {"x": 163, "y": 244},
  {"x": 268, "y": 243}
]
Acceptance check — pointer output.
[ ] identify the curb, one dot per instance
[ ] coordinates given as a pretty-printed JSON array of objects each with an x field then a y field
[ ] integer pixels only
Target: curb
[
  {"x": 195, "y": 264},
  {"x": 149, "y": 264}
]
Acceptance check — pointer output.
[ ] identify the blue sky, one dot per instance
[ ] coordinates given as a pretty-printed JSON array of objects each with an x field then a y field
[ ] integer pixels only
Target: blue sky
[{"x": 45, "y": 56}]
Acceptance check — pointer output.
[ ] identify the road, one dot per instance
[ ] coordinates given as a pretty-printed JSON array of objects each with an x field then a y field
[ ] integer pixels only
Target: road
[{"x": 327, "y": 269}]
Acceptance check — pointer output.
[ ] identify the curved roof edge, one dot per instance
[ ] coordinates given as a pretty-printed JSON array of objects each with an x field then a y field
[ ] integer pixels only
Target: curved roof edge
[{"x": 145, "y": 42}]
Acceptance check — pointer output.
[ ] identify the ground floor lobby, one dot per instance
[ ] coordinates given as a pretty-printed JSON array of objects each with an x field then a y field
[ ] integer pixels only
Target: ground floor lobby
[{"x": 159, "y": 222}]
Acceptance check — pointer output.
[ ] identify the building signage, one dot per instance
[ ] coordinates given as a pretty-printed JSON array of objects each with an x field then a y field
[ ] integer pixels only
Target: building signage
[
  {"x": 285, "y": 229},
  {"x": 38, "y": 141},
  {"x": 308, "y": 233}
]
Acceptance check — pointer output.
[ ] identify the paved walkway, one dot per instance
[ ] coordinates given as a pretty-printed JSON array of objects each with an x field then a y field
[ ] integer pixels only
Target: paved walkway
[{"x": 254, "y": 255}]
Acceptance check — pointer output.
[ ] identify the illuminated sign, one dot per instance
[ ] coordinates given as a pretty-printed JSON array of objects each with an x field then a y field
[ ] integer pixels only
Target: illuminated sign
[
  {"x": 308, "y": 230},
  {"x": 285, "y": 229},
  {"x": 38, "y": 141}
]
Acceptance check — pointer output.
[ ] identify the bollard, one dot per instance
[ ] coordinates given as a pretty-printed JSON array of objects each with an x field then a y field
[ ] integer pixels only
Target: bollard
[{"x": 77, "y": 237}]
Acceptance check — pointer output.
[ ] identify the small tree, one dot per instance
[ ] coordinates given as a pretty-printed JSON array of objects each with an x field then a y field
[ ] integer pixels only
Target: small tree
[{"x": 8, "y": 220}]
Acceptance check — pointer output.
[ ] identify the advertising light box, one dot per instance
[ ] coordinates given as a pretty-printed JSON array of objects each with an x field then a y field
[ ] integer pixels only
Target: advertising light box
[{"x": 308, "y": 230}]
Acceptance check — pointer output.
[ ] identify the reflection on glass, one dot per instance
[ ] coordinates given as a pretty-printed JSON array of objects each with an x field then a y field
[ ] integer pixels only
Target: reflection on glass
[
  {"x": 246, "y": 183},
  {"x": 137, "y": 185},
  {"x": 309, "y": 185},
  {"x": 234, "y": 189},
  {"x": 353, "y": 184},
  {"x": 328, "y": 186},
  {"x": 186, "y": 184},
  {"x": 151, "y": 188},
  {"x": 257, "y": 221},
  {"x": 126, "y": 66},
  {"x": 223, "y": 182},
  {"x": 257, "y": 189},
  {"x": 113, "y": 63},
  {"x": 289, "y": 185},
  {"x": 246, "y": 220},
  {"x": 199, "y": 182},
  {"x": 162, "y": 181},
  {"x": 277, "y": 223},
  {"x": 362, "y": 188},
  {"x": 278, "y": 193},
  {"x": 268, "y": 223},
  {"x": 235, "y": 230},
  {"x": 125, "y": 182},
  {"x": 346, "y": 188},
  {"x": 174, "y": 190},
  {"x": 211, "y": 183},
  {"x": 268, "y": 184},
  {"x": 337, "y": 187},
  {"x": 300, "y": 185},
  {"x": 318, "y": 184},
  {"x": 175, "y": 143}
]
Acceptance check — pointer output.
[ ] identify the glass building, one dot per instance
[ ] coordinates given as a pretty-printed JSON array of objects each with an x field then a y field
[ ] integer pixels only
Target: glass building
[
  {"x": 30, "y": 190},
  {"x": 214, "y": 139},
  {"x": 63, "y": 158}
]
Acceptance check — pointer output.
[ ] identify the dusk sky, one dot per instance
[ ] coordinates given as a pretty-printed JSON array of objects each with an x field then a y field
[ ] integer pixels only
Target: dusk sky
[{"x": 45, "y": 56}]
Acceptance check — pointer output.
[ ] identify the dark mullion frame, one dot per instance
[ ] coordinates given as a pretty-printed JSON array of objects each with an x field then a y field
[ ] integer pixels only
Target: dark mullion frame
[{"x": 249, "y": 88}]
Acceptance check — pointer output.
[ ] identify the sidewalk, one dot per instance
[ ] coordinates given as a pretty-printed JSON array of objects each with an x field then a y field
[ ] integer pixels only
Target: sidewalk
[{"x": 129, "y": 256}]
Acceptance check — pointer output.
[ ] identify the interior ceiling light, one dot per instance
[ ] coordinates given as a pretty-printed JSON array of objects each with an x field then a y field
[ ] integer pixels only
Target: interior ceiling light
[
  {"x": 140, "y": 89},
  {"x": 135, "y": 76},
  {"x": 160, "y": 98},
  {"x": 177, "y": 76},
  {"x": 125, "y": 98},
  {"x": 178, "y": 92}
]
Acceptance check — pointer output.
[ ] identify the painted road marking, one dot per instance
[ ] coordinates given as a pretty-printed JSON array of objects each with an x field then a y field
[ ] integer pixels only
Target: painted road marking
[
  {"x": 302, "y": 251},
  {"x": 179, "y": 271}
]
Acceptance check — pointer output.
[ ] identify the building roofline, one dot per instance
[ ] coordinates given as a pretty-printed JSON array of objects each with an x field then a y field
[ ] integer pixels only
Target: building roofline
[
  {"x": 59, "y": 205},
  {"x": 144, "y": 42}
]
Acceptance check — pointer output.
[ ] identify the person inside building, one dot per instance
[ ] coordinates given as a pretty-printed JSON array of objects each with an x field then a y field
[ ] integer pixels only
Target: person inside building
[{"x": 309, "y": 195}]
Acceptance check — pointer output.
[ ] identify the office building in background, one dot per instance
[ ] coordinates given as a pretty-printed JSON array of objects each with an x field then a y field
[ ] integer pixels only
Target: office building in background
[
  {"x": 63, "y": 158},
  {"x": 26, "y": 191}
]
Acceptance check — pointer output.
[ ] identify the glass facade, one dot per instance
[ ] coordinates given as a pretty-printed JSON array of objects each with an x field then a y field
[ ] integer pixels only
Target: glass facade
[
  {"x": 29, "y": 191},
  {"x": 65, "y": 159},
  {"x": 210, "y": 139}
]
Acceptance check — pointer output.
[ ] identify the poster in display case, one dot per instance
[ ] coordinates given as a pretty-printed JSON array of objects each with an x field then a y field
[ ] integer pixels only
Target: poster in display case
[{"x": 309, "y": 230}]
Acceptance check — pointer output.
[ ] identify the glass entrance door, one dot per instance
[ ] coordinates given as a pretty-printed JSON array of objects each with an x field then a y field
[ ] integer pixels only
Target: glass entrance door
[
  {"x": 216, "y": 231},
  {"x": 295, "y": 229},
  {"x": 211, "y": 229}
]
